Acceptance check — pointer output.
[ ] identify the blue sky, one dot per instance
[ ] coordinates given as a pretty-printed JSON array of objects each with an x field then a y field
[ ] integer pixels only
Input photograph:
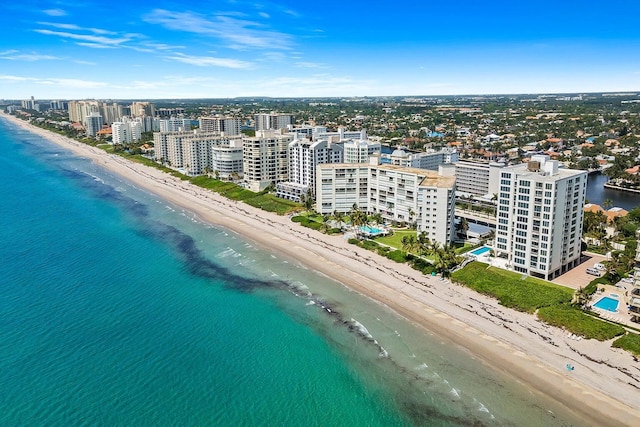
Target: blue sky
[{"x": 208, "y": 49}]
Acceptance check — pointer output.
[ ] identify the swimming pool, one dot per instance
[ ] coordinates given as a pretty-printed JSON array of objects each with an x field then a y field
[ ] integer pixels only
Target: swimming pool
[
  {"x": 607, "y": 303},
  {"x": 480, "y": 251},
  {"x": 371, "y": 230}
]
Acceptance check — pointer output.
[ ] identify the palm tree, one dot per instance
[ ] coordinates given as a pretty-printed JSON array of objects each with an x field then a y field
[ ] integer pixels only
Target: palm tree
[
  {"x": 338, "y": 217},
  {"x": 409, "y": 244},
  {"x": 358, "y": 218},
  {"x": 307, "y": 201},
  {"x": 423, "y": 243},
  {"x": 580, "y": 297},
  {"x": 607, "y": 204}
]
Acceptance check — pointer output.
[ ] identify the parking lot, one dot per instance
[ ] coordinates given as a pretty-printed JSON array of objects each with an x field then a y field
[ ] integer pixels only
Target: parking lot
[{"x": 578, "y": 277}]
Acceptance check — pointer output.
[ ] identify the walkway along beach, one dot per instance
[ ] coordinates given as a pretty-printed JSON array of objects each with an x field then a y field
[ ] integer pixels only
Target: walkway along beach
[{"x": 603, "y": 386}]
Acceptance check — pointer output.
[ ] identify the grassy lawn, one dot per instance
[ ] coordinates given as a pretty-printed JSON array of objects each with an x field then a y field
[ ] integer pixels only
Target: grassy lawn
[
  {"x": 395, "y": 240},
  {"x": 526, "y": 295},
  {"x": 579, "y": 323},
  {"x": 552, "y": 303},
  {"x": 629, "y": 342}
]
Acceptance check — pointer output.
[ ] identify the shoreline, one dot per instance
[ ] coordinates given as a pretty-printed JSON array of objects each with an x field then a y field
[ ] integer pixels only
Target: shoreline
[{"x": 514, "y": 342}]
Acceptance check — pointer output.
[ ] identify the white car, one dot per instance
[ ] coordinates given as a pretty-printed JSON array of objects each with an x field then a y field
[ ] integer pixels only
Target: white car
[
  {"x": 627, "y": 280},
  {"x": 599, "y": 266}
]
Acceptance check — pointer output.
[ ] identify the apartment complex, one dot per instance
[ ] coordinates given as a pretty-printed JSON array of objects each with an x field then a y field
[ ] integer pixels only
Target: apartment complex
[
  {"x": 126, "y": 131},
  {"x": 273, "y": 121},
  {"x": 540, "y": 217},
  {"x": 174, "y": 125},
  {"x": 229, "y": 126},
  {"x": 397, "y": 193},
  {"x": 478, "y": 178},
  {"x": 265, "y": 159},
  {"x": 304, "y": 157},
  {"x": 360, "y": 150},
  {"x": 93, "y": 123},
  {"x": 190, "y": 151},
  {"x": 430, "y": 159}
]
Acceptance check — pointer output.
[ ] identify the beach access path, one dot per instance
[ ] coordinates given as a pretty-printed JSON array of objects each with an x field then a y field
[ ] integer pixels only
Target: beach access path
[{"x": 603, "y": 388}]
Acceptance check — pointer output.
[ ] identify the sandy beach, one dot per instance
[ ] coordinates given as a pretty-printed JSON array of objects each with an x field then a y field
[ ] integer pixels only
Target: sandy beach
[{"x": 604, "y": 388}]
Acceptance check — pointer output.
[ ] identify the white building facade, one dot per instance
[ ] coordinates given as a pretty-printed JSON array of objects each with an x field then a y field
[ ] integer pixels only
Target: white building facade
[
  {"x": 399, "y": 194},
  {"x": 540, "y": 216},
  {"x": 229, "y": 126},
  {"x": 265, "y": 159}
]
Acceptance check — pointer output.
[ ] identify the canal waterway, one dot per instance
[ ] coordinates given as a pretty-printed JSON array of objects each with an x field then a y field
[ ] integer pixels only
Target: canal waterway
[{"x": 596, "y": 193}]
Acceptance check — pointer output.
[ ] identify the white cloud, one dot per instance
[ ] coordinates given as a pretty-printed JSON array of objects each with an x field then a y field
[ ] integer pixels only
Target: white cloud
[
  {"x": 162, "y": 46},
  {"x": 72, "y": 83},
  {"x": 210, "y": 61},
  {"x": 238, "y": 33},
  {"x": 30, "y": 57},
  {"x": 264, "y": 15},
  {"x": 95, "y": 45},
  {"x": 54, "y": 12},
  {"x": 77, "y": 28},
  {"x": 15, "y": 78},
  {"x": 100, "y": 40},
  {"x": 310, "y": 65}
]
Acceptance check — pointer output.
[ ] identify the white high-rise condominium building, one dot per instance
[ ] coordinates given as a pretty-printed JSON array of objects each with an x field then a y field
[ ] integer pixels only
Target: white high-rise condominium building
[
  {"x": 273, "y": 121},
  {"x": 79, "y": 110},
  {"x": 304, "y": 157},
  {"x": 175, "y": 125},
  {"x": 93, "y": 124},
  {"x": 359, "y": 151},
  {"x": 425, "y": 160},
  {"x": 126, "y": 132},
  {"x": 478, "y": 178},
  {"x": 342, "y": 134},
  {"x": 265, "y": 159},
  {"x": 111, "y": 113},
  {"x": 397, "y": 193},
  {"x": 188, "y": 151},
  {"x": 226, "y": 159},
  {"x": 230, "y": 126},
  {"x": 540, "y": 217},
  {"x": 141, "y": 109}
]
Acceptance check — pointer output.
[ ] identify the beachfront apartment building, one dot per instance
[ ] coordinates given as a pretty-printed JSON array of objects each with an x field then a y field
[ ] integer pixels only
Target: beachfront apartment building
[
  {"x": 478, "y": 178},
  {"x": 540, "y": 216},
  {"x": 79, "y": 110},
  {"x": 398, "y": 193},
  {"x": 360, "y": 150},
  {"x": 229, "y": 126},
  {"x": 142, "y": 109},
  {"x": 304, "y": 157},
  {"x": 174, "y": 125},
  {"x": 126, "y": 131},
  {"x": 226, "y": 159},
  {"x": 266, "y": 159},
  {"x": 430, "y": 159},
  {"x": 186, "y": 151},
  {"x": 273, "y": 121},
  {"x": 93, "y": 123}
]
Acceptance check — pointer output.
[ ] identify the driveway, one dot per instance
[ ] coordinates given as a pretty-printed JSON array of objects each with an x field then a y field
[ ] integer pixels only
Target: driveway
[{"x": 578, "y": 277}]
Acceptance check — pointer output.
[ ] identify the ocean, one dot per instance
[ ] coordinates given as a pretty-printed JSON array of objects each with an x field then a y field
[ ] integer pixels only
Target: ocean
[{"x": 118, "y": 308}]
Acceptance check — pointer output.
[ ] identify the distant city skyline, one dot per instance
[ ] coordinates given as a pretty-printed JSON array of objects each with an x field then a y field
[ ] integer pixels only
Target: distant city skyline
[{"x": 235, "y": 48}]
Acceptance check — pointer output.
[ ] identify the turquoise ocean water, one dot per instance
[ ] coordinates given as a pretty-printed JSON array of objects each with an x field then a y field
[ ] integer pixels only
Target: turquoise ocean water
[{"x": 117, "y": 308}]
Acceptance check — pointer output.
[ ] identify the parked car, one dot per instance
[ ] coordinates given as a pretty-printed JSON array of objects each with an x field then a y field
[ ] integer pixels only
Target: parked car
[
  {"x": 593, "y": 272},
  {"x": 599, "y": 266}
]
